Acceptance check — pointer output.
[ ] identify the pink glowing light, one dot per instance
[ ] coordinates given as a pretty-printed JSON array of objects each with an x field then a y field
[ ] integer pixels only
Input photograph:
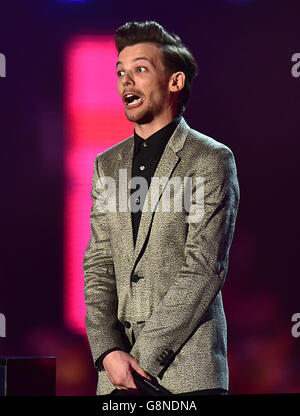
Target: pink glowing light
[{"x": 94, "y": 120}]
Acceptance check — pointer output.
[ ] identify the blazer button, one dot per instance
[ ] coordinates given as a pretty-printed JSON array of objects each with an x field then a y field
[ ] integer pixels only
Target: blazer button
[
  {"x": 165, "y": 357},
  {"x": 127, "y": 324}
]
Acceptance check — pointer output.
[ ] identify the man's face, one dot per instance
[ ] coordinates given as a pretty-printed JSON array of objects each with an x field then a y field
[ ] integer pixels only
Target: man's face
[{"x": 142, "y": 82}]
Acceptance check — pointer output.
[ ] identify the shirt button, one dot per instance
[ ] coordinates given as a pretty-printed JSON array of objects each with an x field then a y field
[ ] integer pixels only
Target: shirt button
[
  {"x": 137, "y": 200},
  {"x": 142, "y": 167},
  {"x": 144, "y": 144}
]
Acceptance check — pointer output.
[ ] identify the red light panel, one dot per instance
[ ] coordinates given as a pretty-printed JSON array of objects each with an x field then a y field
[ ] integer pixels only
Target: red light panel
[{"x": 94, "y": 120}]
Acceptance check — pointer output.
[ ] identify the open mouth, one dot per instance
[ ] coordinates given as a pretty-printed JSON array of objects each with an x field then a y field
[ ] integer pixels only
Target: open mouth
[{"x": 132, "y": 100}]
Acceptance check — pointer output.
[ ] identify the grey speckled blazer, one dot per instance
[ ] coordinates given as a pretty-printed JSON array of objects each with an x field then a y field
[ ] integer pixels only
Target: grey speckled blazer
[{"x": 173, "y": 304}]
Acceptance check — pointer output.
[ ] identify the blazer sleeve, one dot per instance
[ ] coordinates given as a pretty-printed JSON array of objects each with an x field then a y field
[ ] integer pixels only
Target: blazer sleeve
[
  {"x": 102, "y": 325},
  {"x": 204, "y": 269}
]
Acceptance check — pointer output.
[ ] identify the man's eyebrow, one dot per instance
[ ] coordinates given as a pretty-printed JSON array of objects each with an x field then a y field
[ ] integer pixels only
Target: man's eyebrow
[
  {"x": 145, "y": 58},
  {"x": 138, "y": 58}
]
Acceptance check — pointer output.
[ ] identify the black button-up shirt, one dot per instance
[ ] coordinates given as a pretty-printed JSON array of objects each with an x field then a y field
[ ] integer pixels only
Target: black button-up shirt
[{"x": 146, "y": 156}]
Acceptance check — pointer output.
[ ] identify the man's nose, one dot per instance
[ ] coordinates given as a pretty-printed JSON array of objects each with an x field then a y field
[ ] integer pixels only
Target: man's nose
[{"x": 127, "y": 79}]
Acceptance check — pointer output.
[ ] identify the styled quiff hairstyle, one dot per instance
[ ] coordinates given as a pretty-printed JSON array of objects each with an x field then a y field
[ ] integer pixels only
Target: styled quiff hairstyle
[{"x": 176, "y": 56}]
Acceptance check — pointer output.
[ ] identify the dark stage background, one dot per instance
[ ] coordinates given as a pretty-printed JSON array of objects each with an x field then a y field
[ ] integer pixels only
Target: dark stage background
[{"x": 245, "y": 96}]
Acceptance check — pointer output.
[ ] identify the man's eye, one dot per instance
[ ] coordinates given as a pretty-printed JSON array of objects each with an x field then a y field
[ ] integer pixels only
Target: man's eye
[
  {"x": 141, "y": 69},
  {"x": 120, "y": 73}
]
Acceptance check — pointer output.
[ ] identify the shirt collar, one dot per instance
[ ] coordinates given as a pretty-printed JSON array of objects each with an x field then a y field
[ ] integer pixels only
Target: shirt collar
[{"x": 158, "y": 140}]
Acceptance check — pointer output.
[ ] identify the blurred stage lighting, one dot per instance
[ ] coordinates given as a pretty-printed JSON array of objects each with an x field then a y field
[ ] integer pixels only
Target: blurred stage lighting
[{"x": 94, "y": 120}]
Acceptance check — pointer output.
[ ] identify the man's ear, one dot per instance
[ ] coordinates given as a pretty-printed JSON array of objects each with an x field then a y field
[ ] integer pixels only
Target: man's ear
[{"x": 176, "y": 82}]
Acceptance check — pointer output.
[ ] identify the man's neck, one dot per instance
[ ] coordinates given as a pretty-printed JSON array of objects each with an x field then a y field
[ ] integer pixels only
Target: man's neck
[{"x": 146, "y": 130}]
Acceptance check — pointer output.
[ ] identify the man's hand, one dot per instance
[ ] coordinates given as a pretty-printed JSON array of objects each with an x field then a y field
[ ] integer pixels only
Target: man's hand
[{"x": 118, "y": 366}]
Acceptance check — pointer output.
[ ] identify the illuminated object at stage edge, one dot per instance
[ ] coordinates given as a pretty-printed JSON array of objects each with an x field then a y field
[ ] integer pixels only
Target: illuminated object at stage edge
[{"x": 94, "y": 120}]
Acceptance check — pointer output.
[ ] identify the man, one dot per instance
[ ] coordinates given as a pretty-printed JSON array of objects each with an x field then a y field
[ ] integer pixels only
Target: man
[{"x": 153, "y": 279}]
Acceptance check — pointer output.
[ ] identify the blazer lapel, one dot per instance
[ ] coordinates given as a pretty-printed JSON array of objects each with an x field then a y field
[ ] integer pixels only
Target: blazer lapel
[
  {"x": 164, "y": 168},
  {"x": 125, "y": 165}
]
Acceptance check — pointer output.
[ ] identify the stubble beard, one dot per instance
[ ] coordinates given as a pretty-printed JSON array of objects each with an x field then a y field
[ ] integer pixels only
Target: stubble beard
[{"x": 143, "y": 116}]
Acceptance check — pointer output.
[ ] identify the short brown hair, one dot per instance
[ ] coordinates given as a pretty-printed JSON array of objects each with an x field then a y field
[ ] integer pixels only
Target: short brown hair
[{"x": 176, "y": 56}]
